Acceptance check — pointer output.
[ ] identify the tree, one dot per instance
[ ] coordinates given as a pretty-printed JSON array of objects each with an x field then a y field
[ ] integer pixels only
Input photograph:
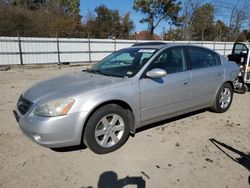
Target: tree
[
  {"x": 203, "y": 22},
  {"x": 173, "y": 34},
  {"x": 189, "y": 9},
  {"x": 244, "y": 35},
  {"x": 127, "y": 26},
  {"x": 29, "y": 4},
  {"x": 157, "y": 11},
  {"x": 109, "y": 23},
  {"x": 238, "y": 14},
  {"x": 41, "y": 18},
  {"x": 220, "y": 31}
]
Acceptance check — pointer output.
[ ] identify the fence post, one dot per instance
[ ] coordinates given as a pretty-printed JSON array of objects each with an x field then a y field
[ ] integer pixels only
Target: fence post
[
  {"x": 89, "y": 47},
  {"x": 114, "y": 44},
  {"x": 20, "y": 48},
  {"x": 224, "y": 53},
  {"x": 58, "y": 50},
  {"x": 214, "y": 45}
]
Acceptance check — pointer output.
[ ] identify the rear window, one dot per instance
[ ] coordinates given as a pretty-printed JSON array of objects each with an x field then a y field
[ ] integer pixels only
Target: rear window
[{"x": 202, "y": 58}]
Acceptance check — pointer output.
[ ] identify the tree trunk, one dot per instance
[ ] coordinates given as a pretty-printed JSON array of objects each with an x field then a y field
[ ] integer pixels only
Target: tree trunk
[{"x": 152, "y": 30}]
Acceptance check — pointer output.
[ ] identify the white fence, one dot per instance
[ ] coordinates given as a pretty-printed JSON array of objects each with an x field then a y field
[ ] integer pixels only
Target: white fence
[{"x": 26, "y": 50}]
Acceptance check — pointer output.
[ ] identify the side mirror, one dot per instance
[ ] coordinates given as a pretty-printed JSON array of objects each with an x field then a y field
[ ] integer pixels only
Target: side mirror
[{"x": 156, "y": 73}]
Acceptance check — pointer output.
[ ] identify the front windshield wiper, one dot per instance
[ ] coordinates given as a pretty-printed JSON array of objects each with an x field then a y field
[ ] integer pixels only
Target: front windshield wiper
[{"x": 97, "y": 71}]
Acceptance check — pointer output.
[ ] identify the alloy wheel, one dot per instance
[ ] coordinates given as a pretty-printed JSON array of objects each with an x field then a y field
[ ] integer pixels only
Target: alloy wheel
[{"x": 109, "y": 130}]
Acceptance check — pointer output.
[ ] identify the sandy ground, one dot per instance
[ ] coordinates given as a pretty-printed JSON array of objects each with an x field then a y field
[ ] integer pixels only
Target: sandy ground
[{"x": 176, "y": 153}]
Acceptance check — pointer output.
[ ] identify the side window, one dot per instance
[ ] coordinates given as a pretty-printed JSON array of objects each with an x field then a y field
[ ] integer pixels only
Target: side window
[
  {"x": 172, "y": 60},
  {"x": 238, "y": 48},
  {"x": 124, "y": 59},
  {"x": 202, "y": 58},
  {"x": 145, "y": 57}
]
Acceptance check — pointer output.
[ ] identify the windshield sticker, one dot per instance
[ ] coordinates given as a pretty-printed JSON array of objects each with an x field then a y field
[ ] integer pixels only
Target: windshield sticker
[
  {"x": 129, "y": 73},
  {"x": 146, "y": 51}
]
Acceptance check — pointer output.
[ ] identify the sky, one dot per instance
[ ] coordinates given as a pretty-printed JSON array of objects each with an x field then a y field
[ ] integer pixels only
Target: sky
[
  {"x": 127, "y": 5},
  {"x": 122, "y": 5}
]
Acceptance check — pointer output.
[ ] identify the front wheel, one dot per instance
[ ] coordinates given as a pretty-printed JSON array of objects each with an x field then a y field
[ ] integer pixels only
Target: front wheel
[
  {"x": 107, "y": 129},
  {"x": 224, "y": 98}
]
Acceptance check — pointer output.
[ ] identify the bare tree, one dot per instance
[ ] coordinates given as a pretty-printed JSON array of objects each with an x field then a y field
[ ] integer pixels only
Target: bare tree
[
  {"x": 189, "y": 8},
  {"x": 157, "y": 11},
  {"x": 238, "y": 14}
]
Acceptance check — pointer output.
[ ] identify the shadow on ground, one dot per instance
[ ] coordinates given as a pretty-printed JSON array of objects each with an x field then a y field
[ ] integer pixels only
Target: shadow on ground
[
  {"x": 70, "y": 148},
  {"x": 82, "y": 147},
  {"x": 243, "y": 159},
  {"x": 170, "y": 120},
  {"x": 109, "y": 179}
]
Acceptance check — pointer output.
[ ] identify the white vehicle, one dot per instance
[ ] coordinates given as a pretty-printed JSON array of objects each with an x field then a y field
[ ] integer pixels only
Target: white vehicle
[{"x": 240, "y": 54}]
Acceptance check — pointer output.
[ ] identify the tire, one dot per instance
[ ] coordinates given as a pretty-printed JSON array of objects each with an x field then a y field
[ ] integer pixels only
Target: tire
[
  {"x": 243, "y": 89},
  {"x": 107, "y": 129},
  {"x": 224, "y": 98}
]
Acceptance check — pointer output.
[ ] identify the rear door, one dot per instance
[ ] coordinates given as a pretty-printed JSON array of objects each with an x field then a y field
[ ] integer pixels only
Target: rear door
[{"x": 207, "y": 74}]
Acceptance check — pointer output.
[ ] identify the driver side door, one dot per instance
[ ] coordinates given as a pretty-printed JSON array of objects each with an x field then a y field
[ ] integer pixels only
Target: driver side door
[{"x": 169, "y": 94}]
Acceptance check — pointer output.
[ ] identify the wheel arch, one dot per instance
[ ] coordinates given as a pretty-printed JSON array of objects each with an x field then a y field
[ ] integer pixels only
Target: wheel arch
[
  {"x": 226, "y": 81},
  {"x": 121, "y": 103},
  {"x": 214, "y": 98},
  {"x": 231, "y": 83}
]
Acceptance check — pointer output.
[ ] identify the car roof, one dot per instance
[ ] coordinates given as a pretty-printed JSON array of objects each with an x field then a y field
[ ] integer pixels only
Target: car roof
[
  {"x": 159, "y": 45},
  {"x": 154, "y": 45}
]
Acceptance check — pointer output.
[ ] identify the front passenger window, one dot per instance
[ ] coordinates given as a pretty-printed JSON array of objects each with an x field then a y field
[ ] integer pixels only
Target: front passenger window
[{"x": 172, "y": 60}]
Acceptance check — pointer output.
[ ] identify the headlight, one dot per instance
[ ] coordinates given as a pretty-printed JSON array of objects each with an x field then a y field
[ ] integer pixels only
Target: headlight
[{"x": 56, "y": 107}]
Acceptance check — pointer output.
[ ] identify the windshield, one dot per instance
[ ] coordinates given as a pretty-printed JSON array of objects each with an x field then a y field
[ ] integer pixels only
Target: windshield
[{"x": 123, "y": 63}]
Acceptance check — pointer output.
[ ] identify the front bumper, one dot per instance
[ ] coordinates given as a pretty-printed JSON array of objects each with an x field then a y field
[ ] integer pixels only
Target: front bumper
[{"x": 52, "y": 132}]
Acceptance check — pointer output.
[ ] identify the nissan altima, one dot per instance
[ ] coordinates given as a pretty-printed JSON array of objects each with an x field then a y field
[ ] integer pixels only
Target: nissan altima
[{"x": 131, "y": 88}]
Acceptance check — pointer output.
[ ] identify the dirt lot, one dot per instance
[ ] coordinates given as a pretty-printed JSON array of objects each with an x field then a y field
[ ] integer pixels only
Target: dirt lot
[{"x": 176, "y": 153}]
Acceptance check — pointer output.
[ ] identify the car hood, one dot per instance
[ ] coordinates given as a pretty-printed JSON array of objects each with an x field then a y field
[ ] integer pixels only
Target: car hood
[{"x": 67, "y": 86}]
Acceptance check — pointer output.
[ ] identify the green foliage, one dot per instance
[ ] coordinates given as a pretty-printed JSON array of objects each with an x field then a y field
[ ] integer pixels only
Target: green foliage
[
  {"x": 173, "y": 34},
  {"x": 51, "y": 18},
  {"x": 67, "y": 6},
  {"x": 198, "y": 24},
  {"x": 157, "y": 11},
  {"x": 108, "y": 23},
  {"x": 202, "y": 25},
  {"x": 244, "y": 35},
  {"x": 220, "y": 31},
  {"x": 38, "y": 19}
]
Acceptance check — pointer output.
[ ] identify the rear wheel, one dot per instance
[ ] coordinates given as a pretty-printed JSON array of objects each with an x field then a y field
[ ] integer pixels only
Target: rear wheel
[
  {"x": 224, "y": 98},
  {"x": 242, "y": 90},
  {"x": 107, "y": 129}
]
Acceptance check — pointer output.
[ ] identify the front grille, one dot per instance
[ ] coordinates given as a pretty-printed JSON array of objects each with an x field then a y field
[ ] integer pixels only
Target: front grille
[{"x": 23, "y": 105}]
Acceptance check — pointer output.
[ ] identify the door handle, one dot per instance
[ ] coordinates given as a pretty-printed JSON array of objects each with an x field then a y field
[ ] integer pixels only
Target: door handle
[{"x": 186, "y": 83}]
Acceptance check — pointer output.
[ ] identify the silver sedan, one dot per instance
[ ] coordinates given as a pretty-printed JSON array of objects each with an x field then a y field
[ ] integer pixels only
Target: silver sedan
[{"x": 130, "y": 88}]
